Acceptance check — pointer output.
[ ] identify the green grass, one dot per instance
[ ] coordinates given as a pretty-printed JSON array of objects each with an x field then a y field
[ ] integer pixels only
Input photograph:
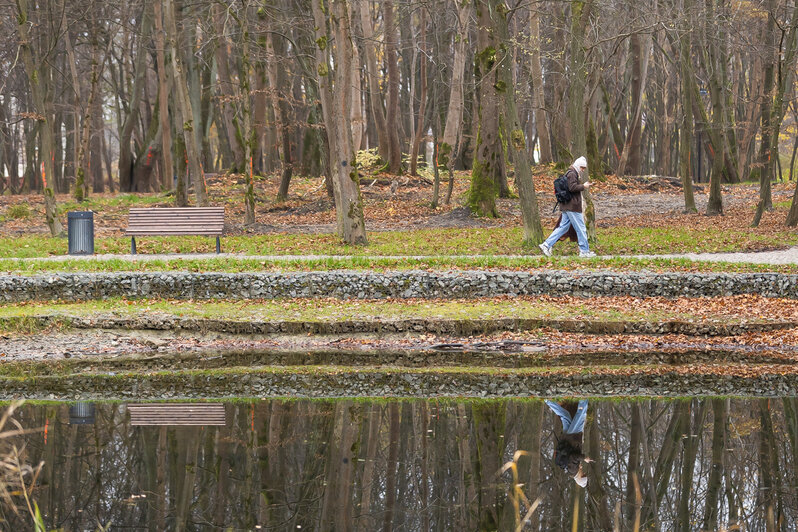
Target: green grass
[
  {"x": 643, "y": 240},
  {"x": 20, "y": 318},
  {"x": 473, "y": 241},
  {"x": 25, "y": 266}
]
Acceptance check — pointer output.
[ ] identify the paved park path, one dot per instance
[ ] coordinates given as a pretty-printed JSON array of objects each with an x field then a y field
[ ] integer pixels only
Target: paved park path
[{"x": 783, "y": 256}]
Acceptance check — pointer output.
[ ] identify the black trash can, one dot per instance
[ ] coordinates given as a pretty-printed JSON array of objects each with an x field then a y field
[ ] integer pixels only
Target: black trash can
[{"x": 80, "y": 232}]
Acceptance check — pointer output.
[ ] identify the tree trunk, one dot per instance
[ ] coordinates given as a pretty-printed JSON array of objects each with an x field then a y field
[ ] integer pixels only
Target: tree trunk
[
  {"x": 37, "y": 78},
  {"x": 243, "y": 122},
  {"x": 365, "y": 519},
  {"x": 281, "y": 112},
  {"x": 228, "y": 97},
  {"x": 185, "y": 106},
  {"x": 577, "y": 115},
  {"x": 711, "y": 511},
  {"x": 664, "y": 466},
  {"x": 392, "y": 66},
  {"x": 516, "y": 145},
  {"x": 639, "y": 48},
  {"x": 489, "y": 424},
  {"x": 343, "y": 163},
  {"x": 686, "y": 130},
  {"x": 487, "y": 169},
  {"x": 374, "y": 93},
  {"x": 691, "y": 444},
  {"x": 769, "y": 470},
  {"x": 633, "y": 466},
  {"x": 164, "y": 84},
  {"x": 420, "y": 132},
  {"x": 454, "y": 113},
  {"x": 536, "y": 75},
  {"x": 391, "y": 464},
  {"x": 126, "y": 161}
]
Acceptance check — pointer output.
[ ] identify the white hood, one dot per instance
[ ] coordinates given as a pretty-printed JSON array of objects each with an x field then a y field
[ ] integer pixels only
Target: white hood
[{"x": 579, "y": 163}]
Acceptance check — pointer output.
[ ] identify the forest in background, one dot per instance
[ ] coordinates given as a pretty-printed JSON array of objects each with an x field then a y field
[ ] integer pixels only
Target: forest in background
[{"x": 139, "y": 95}]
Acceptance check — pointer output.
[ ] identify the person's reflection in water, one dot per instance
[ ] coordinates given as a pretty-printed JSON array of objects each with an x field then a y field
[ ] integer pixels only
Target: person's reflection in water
[{"x": 568, "y": 454}]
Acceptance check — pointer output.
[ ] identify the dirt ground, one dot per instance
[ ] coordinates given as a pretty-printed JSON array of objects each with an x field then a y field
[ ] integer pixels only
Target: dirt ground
[
  {"x": 94, "y": 343},
  {"x": 403, "y": 203}
]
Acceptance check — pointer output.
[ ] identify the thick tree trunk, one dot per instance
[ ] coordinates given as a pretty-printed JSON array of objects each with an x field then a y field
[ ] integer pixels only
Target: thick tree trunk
[
  {"x": 639, "y": 49},
  {"x": 711, "y": 510},
  {"x": 392, "y": 66},
  {"x": 164, "y": 84},
  {"x": 365, "y": 520},
  {"x": 489, "y": 426},
  {"x": 516, "y": 145},
  {"x": 686, "y": 130},
  {"x": 488, "y": 166},
  {"x": 185, "y": 105},
  {"x": 343, "y": 163}
]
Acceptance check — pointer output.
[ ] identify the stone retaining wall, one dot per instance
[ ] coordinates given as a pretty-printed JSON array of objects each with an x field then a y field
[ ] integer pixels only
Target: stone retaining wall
[
  {"x": 375, "y": 285},
  {"x": 389, "y": 383},
  {"x": 377, "y": 326}
]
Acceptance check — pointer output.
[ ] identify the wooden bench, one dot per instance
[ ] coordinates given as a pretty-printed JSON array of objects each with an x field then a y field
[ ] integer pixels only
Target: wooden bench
[{"x": 175, "y": 221}]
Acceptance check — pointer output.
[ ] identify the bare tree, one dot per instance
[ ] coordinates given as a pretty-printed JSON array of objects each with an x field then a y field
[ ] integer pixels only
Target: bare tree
[{"x": 36, "y": 66}]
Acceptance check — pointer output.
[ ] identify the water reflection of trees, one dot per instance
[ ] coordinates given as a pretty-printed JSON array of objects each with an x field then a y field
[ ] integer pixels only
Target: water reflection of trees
[{"x": 415, "y": 465}]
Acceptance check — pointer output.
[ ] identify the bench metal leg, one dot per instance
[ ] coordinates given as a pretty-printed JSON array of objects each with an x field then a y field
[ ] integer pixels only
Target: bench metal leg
[
  {"x": 218, "y": 245},
  {"x": 132, "y": 245}
]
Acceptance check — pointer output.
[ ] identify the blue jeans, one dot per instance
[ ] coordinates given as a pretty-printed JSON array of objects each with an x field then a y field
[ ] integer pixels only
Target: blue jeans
[
  {"x": 570, "y": 426},
  {"x": 568, "y": 219}
]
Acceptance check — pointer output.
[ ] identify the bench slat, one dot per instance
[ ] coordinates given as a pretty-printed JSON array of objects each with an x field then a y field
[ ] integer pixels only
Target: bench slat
[{"x": 166, "y": 221}]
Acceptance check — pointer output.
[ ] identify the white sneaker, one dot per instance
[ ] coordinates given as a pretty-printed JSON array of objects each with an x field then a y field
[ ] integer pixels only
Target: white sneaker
[
  {"x": 587, "y": 254},
  {"x": 545, "y": 249}
]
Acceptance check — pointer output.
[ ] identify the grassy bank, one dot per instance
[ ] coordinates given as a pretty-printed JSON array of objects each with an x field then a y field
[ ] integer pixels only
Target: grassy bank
[
  {"x": 728, "y": 310},
  {"x": 472, "y": 241},
  {"x": 34, "y": 266}
]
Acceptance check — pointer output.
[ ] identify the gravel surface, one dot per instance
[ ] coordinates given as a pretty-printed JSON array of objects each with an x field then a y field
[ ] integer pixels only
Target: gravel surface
[{"x": 782, "y": 256}]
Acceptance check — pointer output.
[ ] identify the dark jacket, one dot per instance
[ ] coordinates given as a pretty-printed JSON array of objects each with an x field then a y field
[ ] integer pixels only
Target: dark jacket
[{"x": 576, "y": 188}]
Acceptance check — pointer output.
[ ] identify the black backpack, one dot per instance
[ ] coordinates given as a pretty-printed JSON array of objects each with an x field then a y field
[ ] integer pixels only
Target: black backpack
[{"x": 561, "y": 191}]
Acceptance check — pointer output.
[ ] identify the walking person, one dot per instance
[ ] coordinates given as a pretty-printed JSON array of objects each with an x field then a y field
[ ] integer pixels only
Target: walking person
[{"x": 572, "y": 212}]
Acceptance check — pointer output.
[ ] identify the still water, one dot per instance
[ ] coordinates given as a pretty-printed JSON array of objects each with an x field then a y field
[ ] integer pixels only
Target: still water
[{"x": 700, "y": 464}]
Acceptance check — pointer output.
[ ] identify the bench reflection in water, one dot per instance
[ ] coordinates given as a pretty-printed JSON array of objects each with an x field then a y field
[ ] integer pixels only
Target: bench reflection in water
[{"x": 147, "y": 414}]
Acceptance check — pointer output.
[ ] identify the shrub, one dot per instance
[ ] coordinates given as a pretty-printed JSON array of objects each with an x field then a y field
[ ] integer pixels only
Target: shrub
[{"x": 18, "y": 211}]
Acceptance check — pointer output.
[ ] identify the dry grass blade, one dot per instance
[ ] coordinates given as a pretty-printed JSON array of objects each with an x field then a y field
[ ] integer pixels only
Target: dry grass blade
[
  {"x": 16, "y": 476},
  {"x": 516, "y": 494}
]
